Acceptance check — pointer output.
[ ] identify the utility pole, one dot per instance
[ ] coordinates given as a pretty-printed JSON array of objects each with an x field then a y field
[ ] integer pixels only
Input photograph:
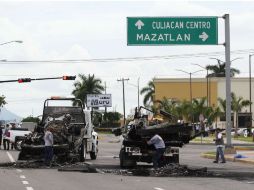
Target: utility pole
[
  {"x": 138, "y": 92},
  {"x": 123, "y": 98},
  {"x": 105, "y": 93},
  {"x": 207, "y": 92}
]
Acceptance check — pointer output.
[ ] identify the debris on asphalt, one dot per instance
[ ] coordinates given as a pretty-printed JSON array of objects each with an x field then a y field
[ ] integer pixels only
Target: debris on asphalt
[{"x": 170, "y": 170}]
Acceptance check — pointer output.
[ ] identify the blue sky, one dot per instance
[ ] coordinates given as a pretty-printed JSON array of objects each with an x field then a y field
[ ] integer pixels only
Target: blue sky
[{"x": 94, "y": 30}]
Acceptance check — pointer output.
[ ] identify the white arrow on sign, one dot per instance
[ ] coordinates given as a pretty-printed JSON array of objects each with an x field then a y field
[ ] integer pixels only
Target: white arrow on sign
[
  {"x": 139, "y": 24},
  {"x": 203, "y": 36}
]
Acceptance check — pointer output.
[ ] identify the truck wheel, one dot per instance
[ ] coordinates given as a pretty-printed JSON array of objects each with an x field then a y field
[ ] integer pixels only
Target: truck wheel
[
  {"x": 124, "y": 162},
  {"x": 93, "y": 155},
  {"x": 17, "y": 145},
  {"x": 176, "y": 158},
  {"x": 82, "y": 154}
]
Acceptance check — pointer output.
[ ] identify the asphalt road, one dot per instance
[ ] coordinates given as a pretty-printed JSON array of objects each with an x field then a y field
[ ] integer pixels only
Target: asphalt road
[{"x": 51, "y": 179}]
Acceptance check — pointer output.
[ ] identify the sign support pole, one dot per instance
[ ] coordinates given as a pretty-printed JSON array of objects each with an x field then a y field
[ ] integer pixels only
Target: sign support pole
[{"x": 229, "y": 148}]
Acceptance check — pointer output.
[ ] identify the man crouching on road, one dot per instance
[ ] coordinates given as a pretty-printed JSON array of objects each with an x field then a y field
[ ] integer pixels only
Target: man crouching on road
[
  {"x": 219, "y": 142},
  {"x": 48, "y": 139},
  {"x": 159, "y": 145}
]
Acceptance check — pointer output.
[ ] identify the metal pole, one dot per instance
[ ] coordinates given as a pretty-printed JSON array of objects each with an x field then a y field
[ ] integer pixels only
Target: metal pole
[
  {"x": 138, "y": 92},
  {"x": 190, "y": 90},
  {"x": 228, "y": 81},
  {"x": 105, "y": 93},
  {"x": 207, "y": 88},
  {"x": 123, "y": 104},
  {"x": 250, "y": 90},
  {"x": 123, "y": 99}
]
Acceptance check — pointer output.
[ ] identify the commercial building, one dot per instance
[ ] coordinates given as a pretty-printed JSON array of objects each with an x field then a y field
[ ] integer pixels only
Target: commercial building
[{"x": 213, "y": 88}]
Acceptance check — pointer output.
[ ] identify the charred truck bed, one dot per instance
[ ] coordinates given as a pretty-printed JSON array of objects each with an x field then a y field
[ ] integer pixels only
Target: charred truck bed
[
  {"x": 68, "y": 127},
  {"x": 135, "y": 149}
]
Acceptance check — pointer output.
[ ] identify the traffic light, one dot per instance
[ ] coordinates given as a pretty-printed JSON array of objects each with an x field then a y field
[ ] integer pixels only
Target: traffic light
[
  {"x": 69, "y": 77},
  {"x": 21, "y": 80}
]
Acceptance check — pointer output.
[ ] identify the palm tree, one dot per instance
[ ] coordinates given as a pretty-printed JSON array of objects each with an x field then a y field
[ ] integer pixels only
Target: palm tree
[
  {"x": 219, "y": 70},
  {"x": 87, "y": 85},
  {"x": 238, "y": 103},
  {"x": 149, "y": 93},
  {"x": 166, "y": 105},
  {"x": 199, "y": 106},
  {"x": 213, "y": 114},
  {"x": 2, "y": 101},
  {"x": 184, "y": 110}
]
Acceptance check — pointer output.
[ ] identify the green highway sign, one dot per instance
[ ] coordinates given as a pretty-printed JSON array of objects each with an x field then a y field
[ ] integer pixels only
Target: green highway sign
[{"x": 172, "y": 30}]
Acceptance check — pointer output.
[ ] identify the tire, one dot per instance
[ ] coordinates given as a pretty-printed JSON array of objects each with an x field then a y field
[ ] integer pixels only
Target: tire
[
  {"x": 93, "y": 155},
  {"x": 18, "y": 144},
  {"x": 82, "y": 153},
  {"x": 125, "y": 162},
  {"x": 176, "y": 158}
]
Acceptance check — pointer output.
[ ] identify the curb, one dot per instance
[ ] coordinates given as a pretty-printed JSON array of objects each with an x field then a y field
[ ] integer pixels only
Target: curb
[
  {"x": 231, "y": 159},
  {"x": 243, "y": 148}
]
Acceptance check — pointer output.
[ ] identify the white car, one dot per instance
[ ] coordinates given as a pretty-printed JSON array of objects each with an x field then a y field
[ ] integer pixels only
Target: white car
[{"x": 245, "y": 132}]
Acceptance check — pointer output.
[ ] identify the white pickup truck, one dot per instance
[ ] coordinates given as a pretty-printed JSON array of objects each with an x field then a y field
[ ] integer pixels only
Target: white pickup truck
[{"x": 16, "y": 135}]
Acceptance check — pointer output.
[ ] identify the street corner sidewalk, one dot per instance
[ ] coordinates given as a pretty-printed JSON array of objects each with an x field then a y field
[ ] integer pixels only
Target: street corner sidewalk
[{"x": 243, "y": 156}]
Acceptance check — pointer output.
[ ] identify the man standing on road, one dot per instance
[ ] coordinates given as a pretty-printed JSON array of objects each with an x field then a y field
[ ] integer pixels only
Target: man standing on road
[
  {"x": 48, "y": 139},
  {"x": 159, "y": 145},
  {"x": 219, "y": 142},
  {"x": 6, "y": 140}
]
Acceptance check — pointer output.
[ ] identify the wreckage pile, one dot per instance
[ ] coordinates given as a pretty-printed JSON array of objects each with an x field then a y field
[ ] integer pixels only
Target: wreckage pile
[{"x": 170, "y": 170}]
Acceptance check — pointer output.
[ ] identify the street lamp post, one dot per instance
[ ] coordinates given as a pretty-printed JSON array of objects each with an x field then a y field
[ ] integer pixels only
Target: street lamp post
[
  {"x": 190, "y": 73},
  {"x": 250, "y": 93},
  {"x": 14, "y": 41},
  {"x": 137, "y": 88},
  {"x": 207, "y": 93}
]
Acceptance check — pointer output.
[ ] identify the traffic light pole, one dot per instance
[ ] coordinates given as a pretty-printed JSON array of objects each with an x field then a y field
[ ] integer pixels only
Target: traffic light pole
[{"x": 21, "y": 80}]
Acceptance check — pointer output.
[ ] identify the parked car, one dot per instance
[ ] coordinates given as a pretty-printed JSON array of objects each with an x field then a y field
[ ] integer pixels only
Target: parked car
[{"x": 245, "y": 132}]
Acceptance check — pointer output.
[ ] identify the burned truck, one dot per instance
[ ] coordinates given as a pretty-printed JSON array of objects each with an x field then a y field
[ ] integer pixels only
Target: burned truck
[
  {"x": 138, "y": 132},
  {"x": 72, "y": 131}
]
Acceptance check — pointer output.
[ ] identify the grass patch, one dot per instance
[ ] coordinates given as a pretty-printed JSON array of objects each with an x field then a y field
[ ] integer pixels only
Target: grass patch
[
  {"x": 204, "y": 140},
  {"x": 245, "y": 139},
  {"x": 211, "y": 153}
]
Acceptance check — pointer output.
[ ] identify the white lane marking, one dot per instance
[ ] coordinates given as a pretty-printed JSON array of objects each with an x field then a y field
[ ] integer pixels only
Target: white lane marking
[
  {"x": 10, "y": 157},
  {"x": 29, "y": 188},
  {"x": 250, "y": 182},
  {"x": 22, "y": 177},
  {"x": 157, "y": 188},
  {"x": 25, "y": 182},
  {"x": 19, "y": 170}
]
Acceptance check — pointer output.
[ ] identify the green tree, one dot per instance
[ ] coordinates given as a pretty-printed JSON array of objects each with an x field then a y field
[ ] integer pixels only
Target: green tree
[
  {"x": 148, "y": 92},
  {"x": 184, "y": 110},
  {"x": 219, "y": 70},
  {"x": 213, "y": 114},
  {"x": 238, "y": 103},
  {"x": 2, "y": 101},
  {"x": 168, "y": 106},
  {"x": 31, "y": 119},
  {"x": 87, "y": 85},
  {"x": 199, "y": 107}
]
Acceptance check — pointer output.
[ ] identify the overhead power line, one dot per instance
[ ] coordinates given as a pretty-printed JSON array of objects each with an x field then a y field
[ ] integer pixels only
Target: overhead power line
[{"x": 179, "y": 56}]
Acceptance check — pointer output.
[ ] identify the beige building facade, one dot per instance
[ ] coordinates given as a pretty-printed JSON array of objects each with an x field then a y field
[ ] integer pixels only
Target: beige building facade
[{"x": 179, "y": 89}]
